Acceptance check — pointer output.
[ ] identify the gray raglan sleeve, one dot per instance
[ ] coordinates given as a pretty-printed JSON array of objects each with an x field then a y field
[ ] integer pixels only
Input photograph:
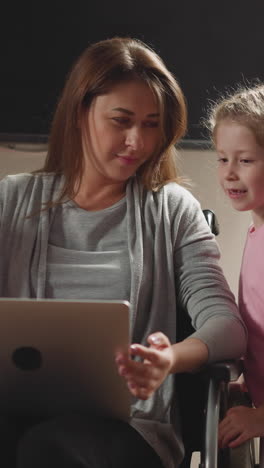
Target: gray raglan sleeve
[{"x": 201, "y": 286}]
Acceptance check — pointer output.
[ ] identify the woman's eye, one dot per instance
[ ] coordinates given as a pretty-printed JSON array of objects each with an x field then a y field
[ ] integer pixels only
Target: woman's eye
[
  {"x": 121, "y": 120},
  {"x": 151, "y": 124}
]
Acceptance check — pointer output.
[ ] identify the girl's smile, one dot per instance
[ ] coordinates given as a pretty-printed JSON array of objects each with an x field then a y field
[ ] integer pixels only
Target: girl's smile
[
  {"x": 235, "y": 194},
  {"x": 241, "y": 167}
]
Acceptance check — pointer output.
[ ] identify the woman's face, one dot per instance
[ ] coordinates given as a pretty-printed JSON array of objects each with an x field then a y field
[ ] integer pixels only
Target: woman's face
[{"x": 120, "y": 131}]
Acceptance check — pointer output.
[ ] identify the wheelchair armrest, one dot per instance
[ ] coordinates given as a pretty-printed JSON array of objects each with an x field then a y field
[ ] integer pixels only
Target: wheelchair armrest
[
  {"x": 226, "y": 371},
  {"x": 212, "y": 221}
]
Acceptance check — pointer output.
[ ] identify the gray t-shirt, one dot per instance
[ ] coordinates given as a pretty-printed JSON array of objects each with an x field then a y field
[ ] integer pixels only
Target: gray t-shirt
[{"x": 93, "y": 259}]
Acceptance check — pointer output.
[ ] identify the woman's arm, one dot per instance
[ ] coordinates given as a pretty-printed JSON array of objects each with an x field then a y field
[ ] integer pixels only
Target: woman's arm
[
  {"x": 157, "y": 361},
  {"x": 202, "y": 289},
  {"x": 188, "y": 355}
]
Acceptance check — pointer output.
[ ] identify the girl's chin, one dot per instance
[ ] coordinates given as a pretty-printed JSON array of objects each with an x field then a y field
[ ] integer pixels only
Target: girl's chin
[{"x": 240, "y": 206}]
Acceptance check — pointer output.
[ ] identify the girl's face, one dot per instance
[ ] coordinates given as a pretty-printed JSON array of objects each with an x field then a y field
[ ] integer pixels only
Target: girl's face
[
  {"x": 121, "y": 130},
  {"x": 241, "y": 168}
]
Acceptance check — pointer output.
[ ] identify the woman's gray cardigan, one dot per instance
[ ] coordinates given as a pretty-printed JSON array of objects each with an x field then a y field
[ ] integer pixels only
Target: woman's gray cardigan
[{"x": 173, "y": 257}]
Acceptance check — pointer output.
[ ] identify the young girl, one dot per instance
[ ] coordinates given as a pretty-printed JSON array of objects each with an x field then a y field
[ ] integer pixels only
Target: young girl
[{"x": 237, "y": 127}]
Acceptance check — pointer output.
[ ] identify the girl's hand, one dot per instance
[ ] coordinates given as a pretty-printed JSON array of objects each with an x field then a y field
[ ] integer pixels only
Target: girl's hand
[
  {"x": 145, "y": 376},
  {"x": 241, "y": 424}
]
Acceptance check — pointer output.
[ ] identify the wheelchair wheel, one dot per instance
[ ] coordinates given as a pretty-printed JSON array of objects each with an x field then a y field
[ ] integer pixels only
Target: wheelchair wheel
[
  {"x": 239, "y": 457},
  {"x": 243, "y": 456}
]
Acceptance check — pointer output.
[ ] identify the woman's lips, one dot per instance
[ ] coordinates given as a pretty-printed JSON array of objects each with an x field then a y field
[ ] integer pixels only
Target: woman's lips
[{"x": 127, "y": 159}]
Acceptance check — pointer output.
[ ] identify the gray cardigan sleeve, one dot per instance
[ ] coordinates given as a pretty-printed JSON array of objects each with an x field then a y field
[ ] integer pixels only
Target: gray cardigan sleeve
[{"x": 201, "y": 286}]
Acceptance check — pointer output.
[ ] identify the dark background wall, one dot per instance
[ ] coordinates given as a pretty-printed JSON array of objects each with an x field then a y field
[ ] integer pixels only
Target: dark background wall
[{"x": 208, "y": 44}]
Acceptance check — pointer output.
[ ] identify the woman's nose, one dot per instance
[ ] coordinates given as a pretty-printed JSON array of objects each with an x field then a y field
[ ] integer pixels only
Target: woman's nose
[{"x": 134, "y": 138}]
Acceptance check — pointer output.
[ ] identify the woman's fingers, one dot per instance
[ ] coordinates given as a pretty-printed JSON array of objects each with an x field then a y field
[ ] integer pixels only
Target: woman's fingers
[
  {"x": 158, "y": 340},
  {"x": 142, "y": 371},
  {"x": 146, "y": 367},
  {"x": 146, "y": 354},
  {"x": 139, "y": 392}
]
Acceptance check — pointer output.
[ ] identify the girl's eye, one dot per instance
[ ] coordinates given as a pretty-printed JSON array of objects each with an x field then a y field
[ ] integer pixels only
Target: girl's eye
[
  {"x": 221, "y": 160},
  {"x": 246, "y": 161}
]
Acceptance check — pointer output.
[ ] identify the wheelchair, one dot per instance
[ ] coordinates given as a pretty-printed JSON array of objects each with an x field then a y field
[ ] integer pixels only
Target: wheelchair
[{"x": 204, "y": 398}]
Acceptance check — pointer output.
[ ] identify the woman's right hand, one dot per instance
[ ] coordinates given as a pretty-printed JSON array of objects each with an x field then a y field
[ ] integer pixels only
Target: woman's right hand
[{"x": 145, "y": 376}]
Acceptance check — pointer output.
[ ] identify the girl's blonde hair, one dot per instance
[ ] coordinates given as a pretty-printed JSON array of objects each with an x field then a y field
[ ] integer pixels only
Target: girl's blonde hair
[
  {"x": 100, "y": 67},
  {"x": 244, "y": 106}
]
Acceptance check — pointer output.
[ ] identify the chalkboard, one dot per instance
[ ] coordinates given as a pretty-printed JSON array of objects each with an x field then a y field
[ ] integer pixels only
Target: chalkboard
[{"x": 209, "y": 45}]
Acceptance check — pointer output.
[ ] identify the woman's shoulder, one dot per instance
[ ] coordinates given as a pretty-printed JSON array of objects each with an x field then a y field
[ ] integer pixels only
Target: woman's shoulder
[
  {"x": 175, "y": 188},
  {"x": 18, "y": 183},
  {"x": 176, "y": 195},
  {"x": 172, "y": 194},
  {"x": 26, "y": 177}
]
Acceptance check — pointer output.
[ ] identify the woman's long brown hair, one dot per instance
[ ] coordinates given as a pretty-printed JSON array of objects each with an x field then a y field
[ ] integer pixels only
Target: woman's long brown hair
[{"x": 100, "y": 67}]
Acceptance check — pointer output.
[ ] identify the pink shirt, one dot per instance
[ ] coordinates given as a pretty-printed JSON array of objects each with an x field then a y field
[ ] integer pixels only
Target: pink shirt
[{"x": 251, "y": 303}]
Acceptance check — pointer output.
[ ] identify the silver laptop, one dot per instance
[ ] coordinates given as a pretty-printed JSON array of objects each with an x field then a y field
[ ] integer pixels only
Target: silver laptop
[{"x": 58, "y": 356}]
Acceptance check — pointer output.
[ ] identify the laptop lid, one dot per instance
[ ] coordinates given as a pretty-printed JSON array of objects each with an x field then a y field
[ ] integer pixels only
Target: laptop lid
[{"x": 58, "y": 356}]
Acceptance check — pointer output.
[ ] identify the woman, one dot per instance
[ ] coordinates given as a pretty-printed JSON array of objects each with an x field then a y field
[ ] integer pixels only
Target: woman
[{"x": 106, "y": 218}]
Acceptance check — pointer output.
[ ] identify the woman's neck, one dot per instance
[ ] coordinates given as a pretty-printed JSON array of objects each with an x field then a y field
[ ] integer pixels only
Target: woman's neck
[{"x": 94, "y": 198}]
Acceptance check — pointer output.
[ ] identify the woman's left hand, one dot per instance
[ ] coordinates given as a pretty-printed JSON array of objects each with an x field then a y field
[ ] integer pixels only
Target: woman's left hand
[{"x": 145, "y": 376}]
